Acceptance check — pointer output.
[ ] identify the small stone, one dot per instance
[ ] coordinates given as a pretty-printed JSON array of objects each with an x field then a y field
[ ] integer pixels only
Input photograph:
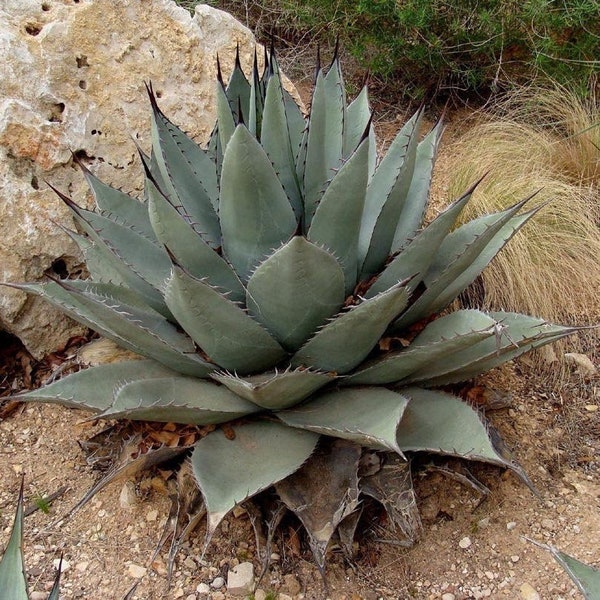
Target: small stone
[
  {"x": 189, "y": 562},
  {"x": 548, "y": 524},
  {"x": 583, "y": 363},
  {"x": 465, "y": 543},
  {"x": 511, "y": 525},
  {"x": 82, "y": 566},
  {"x": 515, "y": 558},
  {"x": 217, "y": 582},
  {"x": 591, "y": 407},
  {"x": 191, "y": 597},
  {"x": 151, "y": 516},
  {"x": 136, "y": 571},
  {"x": 128, "y": 498},
  {"x": 178, "y": 593},
  {"x": 259, "y": 594},
  {"x": 448, "y": 596},
  {"x": 203, "y": 589},
  {"x": 217, "y": 596},
  {"x": 38, "y": 596},
  {"x": 528, "y": 592},
  {"x": 240, "y": 579},
  {"x": 284, "y": 597},
  {"x": 291, "y": 584},
  {"x": 483, "y": 523},
  {"x": 65, "y": 565}
]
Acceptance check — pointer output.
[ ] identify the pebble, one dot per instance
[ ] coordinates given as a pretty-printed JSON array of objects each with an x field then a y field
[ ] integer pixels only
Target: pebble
[
  {"x": 511, "y": 525},
  {"x": 38, "y": 596},
  {"x": 515, "y": 558},
  {"x": 203, "y": 588},
  {"x": 528, "y": 592},
  {"x": 291, "y": 584},
  {"x": 260, "y": 594},
  {"x": 151, "y": 516},
  {"x": 448, "y": 596},
  {"x": 217, "y": 582},
  {"x": 64, "y": 566},
  {"x": 128, "y": 498},
  {"x": 284, "y": 597},
  {"x": 191, "y": 597},
  {"x": 465, "y": 543},
  {"x": 82, "y": 566},
  {"x": 136, "y": 571},
  {"x": 217, "y": 596}
]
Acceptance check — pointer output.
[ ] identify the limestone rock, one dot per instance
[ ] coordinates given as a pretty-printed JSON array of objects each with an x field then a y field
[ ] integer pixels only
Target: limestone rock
[{"x": 72, "y": 80}]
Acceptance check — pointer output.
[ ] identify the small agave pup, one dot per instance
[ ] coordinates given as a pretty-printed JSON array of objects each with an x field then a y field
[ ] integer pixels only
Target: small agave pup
[{"x": 281, "y": 282}]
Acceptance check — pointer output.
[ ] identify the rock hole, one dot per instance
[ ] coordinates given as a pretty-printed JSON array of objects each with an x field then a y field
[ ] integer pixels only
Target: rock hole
[
  {"x": 59, "y": 268},
  {"x": 96, "y": 132},
  {"x": 33, "y": 29},
  {"x": 46, "y": 7},
  {"x": 56, "y": 112},
  {"x": 83, "y": 156},
  {"x": 158, "y": 94},
  {"x": 35, "y": 184},
  {"x": 82, "y": 61},
  {"x": 83, "y": 84}
]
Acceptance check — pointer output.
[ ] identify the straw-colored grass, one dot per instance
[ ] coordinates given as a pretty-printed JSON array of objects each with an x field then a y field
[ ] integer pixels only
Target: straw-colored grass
[{"x": 546, "y": 140}]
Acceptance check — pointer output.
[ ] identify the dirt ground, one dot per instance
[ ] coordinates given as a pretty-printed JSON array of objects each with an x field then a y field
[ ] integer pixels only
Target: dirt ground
[{"x": 472, "y": 546}]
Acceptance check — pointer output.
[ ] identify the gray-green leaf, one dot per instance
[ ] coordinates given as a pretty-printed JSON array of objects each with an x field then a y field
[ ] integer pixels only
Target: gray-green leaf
[
  {"x": 295, "y": 291},
  {"x": 231, "y": 471},
  {"x": 368, "y": 416}
]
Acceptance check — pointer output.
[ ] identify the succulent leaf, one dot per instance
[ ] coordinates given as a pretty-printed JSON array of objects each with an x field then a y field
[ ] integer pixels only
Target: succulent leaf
[
  {"x": 118, "y": 314},
  {"x": 256, "y": 216},
  {"x": 417, "y": 256},
  {"x": 93, "y": 388},
  {"x": 368, "y": 416},
  {"x": 226, "y": 119},
  {"x": 390, "y": 208},
  {"x": 231, "y": 471},
  {"x": 441, "y": 423},
  {"x": 324, "y": 140},
  {"x": 514, "y": 335},
  {"x": 229, "y": 336},
  {"x": 347, "y": 340},
  {"x": 358, "y": 117},
  {"x": 441, "y": 339},
  {"x": 276, "y": 140},
  {"x": 386, "y": 179},
  {"x": 177, "y": 399},
  {"x": 115, "y": 202},
  {"x": 188, "y": 173},
  {"x": 461, "y": 257},
  {"x": 275, "y": 390},
  {"x": 336, "y": 222},
  {"x": 13, "y": 581},
  {"x": 310, "y": 290},
  {"x": 413, "y": 211},
  {"x": 145, "y": 261},
  {"x": 188, "y": 247}
]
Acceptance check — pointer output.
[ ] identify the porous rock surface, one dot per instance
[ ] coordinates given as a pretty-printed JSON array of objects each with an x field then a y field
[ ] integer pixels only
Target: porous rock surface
[{"x": 72, "y": 76}]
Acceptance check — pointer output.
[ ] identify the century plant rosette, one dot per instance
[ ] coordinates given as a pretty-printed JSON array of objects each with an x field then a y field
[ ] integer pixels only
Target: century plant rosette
[{"x": 281, "y": 281}]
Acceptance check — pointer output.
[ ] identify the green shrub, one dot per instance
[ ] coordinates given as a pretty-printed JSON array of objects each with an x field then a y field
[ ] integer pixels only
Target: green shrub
[{"x": 424, "y": 48}]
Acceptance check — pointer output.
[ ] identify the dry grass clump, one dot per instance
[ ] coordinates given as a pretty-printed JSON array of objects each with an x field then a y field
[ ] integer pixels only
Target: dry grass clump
[{"x": 546, "y": 140}]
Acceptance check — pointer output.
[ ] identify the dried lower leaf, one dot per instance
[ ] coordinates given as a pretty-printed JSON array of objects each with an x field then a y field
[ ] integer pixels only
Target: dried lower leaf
[
  {"x": 135, "y": 456},
  {"x": 323, "y": 492},
  {"x": 392, "y": 487}
]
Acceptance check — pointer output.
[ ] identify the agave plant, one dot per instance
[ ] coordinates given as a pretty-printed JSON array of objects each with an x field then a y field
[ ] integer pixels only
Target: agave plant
[
  {"x": 280, "y": 281},
  {"x": 13, "y": 581}
]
